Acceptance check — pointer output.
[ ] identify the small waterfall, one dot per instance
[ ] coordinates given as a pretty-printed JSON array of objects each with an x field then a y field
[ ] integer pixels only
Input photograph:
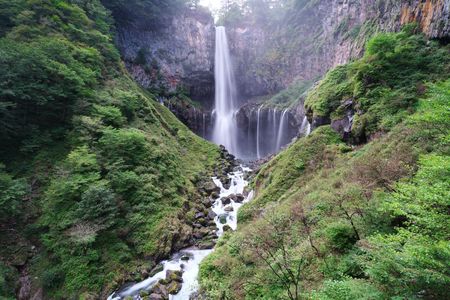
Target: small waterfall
[
  {"x": 258, "y": 132},
  {"x": 204, "y": 125},
  {"x": 274, "y": 131},
  {"x": 281, "y": 129},
  {"x": 225, "y": 127},
  {"x": 305, "y": 128},
  {"x": 249, "y": 131}
]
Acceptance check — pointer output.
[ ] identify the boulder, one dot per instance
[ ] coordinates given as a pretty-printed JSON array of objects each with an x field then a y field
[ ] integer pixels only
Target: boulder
[
  {"x": 185, "y": 257},
  {"x": 161, "y": 290},
  {"x": 229, "y": 208},
  {"x": 200, "y": 233},
  {"x": 239, "y": 198},
  {"x": 211, "y": 187},
  {"x": 199, "y": 215},
  {"x": 226, "y": 228},
  {"x": 225, "y": 200},
  {"x": 143, "y": 293},
  {"x": 202, "y": 221},
  {"x": 223, "y": 218},
  {"x": 207, "y": 203},
  {"x": 211, "y": 214},
  {"x": 215, "y": 195},
  {"x": 174, "y": 276},
  {"x": 155, "y": 297},
  {"x": 206, "y": 244},
  {"x": 174, "y": 287},
  {"x": 156, "y": 270}
]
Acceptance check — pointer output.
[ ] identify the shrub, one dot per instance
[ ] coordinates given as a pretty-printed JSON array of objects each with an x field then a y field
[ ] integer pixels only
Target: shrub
[{"x": 341, "y": 237}]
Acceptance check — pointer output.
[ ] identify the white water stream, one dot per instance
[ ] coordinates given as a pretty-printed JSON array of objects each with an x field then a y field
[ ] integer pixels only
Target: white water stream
[{"x": 191, "y": 267}]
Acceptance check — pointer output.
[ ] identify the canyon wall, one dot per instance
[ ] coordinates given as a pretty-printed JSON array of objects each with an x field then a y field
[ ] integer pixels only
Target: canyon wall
[
  {"x": 175, "y": 55},
  {"x": 269, "y": 56}
]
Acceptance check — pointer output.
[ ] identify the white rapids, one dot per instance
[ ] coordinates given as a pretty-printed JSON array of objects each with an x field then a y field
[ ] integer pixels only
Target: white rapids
[{"x": 191, "y": 267}]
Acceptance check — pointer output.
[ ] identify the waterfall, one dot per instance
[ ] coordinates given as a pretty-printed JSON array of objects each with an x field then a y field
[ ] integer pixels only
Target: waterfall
[
  {"x": 305, "y": 128},
  {"x": 274, "y": 130},
  {"x": 258, "y": 131},
  {"x": 204, "y": 125},
  {"x": 225, "y": 126},
  {"x": 281, "y": 128}
]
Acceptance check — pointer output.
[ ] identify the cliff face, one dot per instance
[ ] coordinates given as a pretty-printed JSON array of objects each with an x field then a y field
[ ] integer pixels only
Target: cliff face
[
  {"x": 321, "y": 35},
  {"x": 178, "y": 54}
]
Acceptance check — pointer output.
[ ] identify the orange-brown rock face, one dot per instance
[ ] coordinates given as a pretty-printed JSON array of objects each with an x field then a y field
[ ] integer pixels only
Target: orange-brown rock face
[{"x": 433, "y": 16}]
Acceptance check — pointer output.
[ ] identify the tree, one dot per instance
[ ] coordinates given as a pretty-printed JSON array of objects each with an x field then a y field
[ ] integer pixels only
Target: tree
[
  {"x": 274, "y": 242},
  {"x": 98, "y": 205}
]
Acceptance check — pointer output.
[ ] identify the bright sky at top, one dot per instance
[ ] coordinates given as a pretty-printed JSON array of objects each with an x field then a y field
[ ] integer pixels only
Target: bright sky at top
[{"x": 212, "y": 4}]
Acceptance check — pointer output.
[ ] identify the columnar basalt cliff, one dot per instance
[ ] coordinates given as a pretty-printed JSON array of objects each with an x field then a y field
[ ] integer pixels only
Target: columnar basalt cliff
[
  {"x": 268, "y": 56},
  {"x": 177, "y": 54},
  {"x": 321, "y": 35}
]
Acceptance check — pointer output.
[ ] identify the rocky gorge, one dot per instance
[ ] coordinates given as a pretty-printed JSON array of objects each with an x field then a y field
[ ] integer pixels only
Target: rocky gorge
[{"x": 267, "y": 59}]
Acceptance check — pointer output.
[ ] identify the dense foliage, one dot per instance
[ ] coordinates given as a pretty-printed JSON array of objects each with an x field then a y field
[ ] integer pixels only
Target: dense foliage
[
  {"x": 91, "y": 166},
  {"x": 384, "y": 85},
  {"x": 331, "y": 221}
]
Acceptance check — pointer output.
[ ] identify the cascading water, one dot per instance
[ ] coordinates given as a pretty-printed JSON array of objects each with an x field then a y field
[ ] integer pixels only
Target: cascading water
[
  {"x": 281, "y": 129},
  {"x": 190, "y": 267},
  {"x": 305, "y": 128},
  {"x": 225, "y": 130},
  {"x": 258, "y": 133},
  {"x": 274, "y": 130}
]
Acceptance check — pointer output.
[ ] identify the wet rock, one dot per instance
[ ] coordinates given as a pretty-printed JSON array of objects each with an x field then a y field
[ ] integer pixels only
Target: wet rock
[
  {"x": 207, "y": 203},
  {"x": 211, "y": 214},
  {"x": 225, "y": 200},
  {"x": 161, "y": 290},
  {"x": 215, "y": 195},
  {"x": 156, "y": 270},
  {"x": 202, "y": 221},
  {"x": 174, "y": 276},
  {"x": 143, "y": 294},
  {"x": 206, "y": 245},
  {"x": 223, "y": 218},
  {"x": 174, "y": 287},
  {"x": 155, "y": 297},
  {"x": 200, "y": 233},
  {"x": 239, "y": 198},
  {"x": 233, "y": 197},
  {"x": 226, "y": 228},
  {"x": 185, "y": 257},
  {"x": 229, "y": 208},
  {"x": 344, "y": 124},
  {"x": 318, "y": 121},
  {"x": 199, "y": 215},
  {"x": 211, "y": 187}
]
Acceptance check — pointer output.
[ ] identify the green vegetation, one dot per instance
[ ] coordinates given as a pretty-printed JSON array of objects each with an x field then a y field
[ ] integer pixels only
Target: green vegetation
[
  {"x": 330, "y": 221},
  {"x": 290, "y": 96},
  {"x": 384, "y": 85},
  {"x": 92, "y": 167}
]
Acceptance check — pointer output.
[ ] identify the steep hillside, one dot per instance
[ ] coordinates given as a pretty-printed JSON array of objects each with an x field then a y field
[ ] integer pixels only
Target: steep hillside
[
  {"x": 335, "y": 221},
  {"x": 94, "y": 172}
]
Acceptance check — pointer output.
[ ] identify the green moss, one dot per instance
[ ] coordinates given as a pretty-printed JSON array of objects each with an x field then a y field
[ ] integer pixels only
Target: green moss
[{"x": 383, "y": 85}]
